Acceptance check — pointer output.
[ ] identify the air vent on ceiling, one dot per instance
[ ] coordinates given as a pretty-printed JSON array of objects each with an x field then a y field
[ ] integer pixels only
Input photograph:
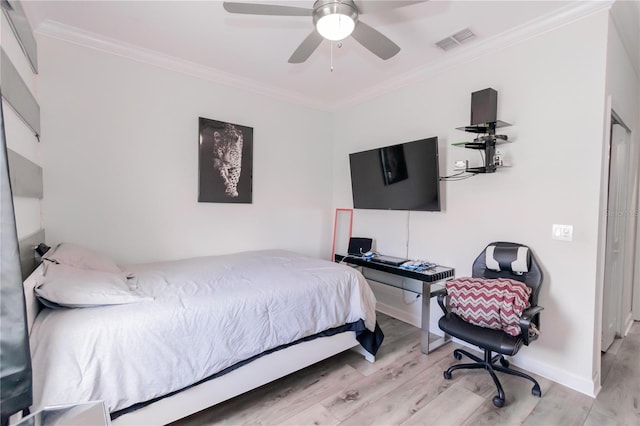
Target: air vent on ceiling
[
  {"x": 463, "y": 36},
  {"x": 456, "y": 40},
  {"x": 447, "y": 43}
]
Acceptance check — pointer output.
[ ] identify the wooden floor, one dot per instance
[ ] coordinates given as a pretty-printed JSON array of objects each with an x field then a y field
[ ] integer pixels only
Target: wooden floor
[{"x": 405, "y": 387}]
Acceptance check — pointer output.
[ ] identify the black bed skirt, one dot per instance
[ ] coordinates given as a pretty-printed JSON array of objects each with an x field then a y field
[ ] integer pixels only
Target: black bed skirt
[{"x": 369, "y": 340}]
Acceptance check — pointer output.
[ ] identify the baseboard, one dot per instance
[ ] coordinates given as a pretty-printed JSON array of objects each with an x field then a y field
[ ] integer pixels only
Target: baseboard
[
  {"x": 577, "y": 383},
  {"x": 597, "y": 383},
  {"x": 399, "y": 314},
  {"x": 628, "y": 322},
  {"x": 589, "y": 387}
]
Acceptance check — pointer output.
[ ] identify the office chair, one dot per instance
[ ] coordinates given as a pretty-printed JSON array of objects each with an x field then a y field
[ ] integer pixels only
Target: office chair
[{"x": 497, "y": 260}]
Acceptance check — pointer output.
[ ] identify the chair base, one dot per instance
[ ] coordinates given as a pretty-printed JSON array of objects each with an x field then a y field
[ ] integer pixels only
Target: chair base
[{"x": 489, "y": 364}]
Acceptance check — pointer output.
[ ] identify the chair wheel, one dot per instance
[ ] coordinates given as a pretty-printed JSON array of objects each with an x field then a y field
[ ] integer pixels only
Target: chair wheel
[
  {"x": 535, "y": 391},
  {"x": 504, "y": 362},
  {"x": 447, "y": 375},
  {"x": 457, "y": 355},
  {"x": 498, "y": 402}
]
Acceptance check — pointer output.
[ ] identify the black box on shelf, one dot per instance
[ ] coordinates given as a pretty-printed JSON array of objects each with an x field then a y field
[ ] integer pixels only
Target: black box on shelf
[{"x": 484, "y": 106}]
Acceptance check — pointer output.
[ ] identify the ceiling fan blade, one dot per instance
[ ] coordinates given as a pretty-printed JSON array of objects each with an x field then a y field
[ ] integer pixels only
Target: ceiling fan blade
[
  {"x": 375, "y": 41},
  {"x": 265, "y": 9},
  {"x": 376, "y": 6},
  {"x": 306, "y": 48}
]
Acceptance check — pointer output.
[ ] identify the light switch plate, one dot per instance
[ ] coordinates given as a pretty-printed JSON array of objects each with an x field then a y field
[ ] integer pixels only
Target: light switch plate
[{"x": 562, "y": 232}]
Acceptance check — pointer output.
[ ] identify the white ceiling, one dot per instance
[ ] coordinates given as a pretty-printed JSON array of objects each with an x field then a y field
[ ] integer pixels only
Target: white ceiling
[{"x": 201, "y": 38}]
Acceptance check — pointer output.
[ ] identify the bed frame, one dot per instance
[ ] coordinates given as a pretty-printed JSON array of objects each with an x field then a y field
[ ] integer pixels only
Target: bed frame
[
  {"x": 243, "y": 379},
  {"x": 250, "y": 376}
]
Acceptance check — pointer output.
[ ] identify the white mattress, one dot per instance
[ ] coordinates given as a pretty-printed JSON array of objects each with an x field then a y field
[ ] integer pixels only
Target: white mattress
[{"x": 207, "y": 314}]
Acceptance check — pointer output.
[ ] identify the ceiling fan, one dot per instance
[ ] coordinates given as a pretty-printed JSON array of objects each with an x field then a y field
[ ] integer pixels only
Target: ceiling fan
[{"x": 334, "y": 20}]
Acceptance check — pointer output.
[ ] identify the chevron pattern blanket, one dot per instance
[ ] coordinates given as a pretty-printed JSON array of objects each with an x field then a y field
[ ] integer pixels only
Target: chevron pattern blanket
[{"x": 492, "y": 303}]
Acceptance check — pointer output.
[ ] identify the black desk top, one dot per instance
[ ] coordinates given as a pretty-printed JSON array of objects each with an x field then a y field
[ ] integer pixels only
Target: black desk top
[{"x": 430, "y": 275}]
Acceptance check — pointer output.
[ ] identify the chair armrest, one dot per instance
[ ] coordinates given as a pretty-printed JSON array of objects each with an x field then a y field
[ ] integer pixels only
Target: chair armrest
[
  {"x": 525, "y": 322},
  {"x": 442, "y": 301}
]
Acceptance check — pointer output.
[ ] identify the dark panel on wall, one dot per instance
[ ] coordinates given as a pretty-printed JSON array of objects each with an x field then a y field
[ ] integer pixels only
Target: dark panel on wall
[
  {"x": 17, "y": 94},
  {"x": 26, "y": 176},
  {"x": 22, "y": 30}
]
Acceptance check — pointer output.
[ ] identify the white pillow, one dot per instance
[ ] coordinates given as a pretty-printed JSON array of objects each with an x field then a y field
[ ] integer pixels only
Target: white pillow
[
  {"x": 81, "y": 257},
  {"x": 70, "y": 287}
]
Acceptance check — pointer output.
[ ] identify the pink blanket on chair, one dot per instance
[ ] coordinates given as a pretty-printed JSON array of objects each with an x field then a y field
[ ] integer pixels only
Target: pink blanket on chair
[{"x": 493, "y": 303}]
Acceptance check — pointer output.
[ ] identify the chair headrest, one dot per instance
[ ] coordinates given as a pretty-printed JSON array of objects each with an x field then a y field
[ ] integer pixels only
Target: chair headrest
[{"x": 508, "y": 258}]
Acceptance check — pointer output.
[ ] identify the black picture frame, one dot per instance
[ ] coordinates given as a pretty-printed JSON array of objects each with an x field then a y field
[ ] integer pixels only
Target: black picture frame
[{"x": 225, "y": 159}]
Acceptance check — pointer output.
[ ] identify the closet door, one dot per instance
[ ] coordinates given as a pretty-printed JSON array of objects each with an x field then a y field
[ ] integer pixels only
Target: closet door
[{"x": 617, "y": 206}]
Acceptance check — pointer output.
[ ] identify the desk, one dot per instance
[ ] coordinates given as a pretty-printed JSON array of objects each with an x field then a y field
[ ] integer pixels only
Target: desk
[{"x": 432, "y": 284}]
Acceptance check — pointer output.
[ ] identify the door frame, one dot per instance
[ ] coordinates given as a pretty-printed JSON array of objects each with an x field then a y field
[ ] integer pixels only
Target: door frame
[
  {"x": 628, "y": 290},
  {"x": 616, "y": 225},
  {"x": 623, "y": 214},
  {"x": 610, "y": 118}
]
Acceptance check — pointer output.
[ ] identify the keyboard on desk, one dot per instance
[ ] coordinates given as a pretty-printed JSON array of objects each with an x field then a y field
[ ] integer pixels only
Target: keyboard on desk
[{"x": 389, "y": 260}]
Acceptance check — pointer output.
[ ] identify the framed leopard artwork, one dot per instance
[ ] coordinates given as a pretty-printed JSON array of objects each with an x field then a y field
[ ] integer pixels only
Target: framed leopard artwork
[{"x": 225, "y": 162}]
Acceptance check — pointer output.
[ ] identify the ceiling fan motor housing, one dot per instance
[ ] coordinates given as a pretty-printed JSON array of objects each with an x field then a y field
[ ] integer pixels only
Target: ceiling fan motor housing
[{"x": 335, "y": 10}]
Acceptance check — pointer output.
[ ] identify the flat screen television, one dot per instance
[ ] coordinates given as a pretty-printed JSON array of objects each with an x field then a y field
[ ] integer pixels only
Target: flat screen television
[{"x": 397, "y": 177}]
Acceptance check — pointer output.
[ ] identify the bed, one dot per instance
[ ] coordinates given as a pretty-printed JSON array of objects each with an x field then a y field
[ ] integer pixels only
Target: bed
[{"x": 199, "y": 331}]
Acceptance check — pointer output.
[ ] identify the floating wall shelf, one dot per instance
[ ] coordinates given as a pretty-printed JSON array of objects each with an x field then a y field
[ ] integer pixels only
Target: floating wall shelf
[{"x": 487, "y": 143}]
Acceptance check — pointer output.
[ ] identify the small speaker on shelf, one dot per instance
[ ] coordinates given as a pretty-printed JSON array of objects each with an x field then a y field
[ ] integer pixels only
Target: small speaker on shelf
[{"x": 484, "y": 107}]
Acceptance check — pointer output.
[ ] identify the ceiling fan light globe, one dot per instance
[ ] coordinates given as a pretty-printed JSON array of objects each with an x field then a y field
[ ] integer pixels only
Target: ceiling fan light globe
[
  {"x": 335, "y": 20},
  {"x": 335, "y": 26}
]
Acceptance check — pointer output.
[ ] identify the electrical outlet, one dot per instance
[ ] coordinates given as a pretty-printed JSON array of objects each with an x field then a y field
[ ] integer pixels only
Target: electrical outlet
[
  {"x": 497, "y": 160},
  {"x": 562, "y": 232},
  {"x": 461, "y": 165}
]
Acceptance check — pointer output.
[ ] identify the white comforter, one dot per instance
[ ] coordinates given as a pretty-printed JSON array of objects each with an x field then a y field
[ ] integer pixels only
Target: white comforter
[{"x": 207, "y": 314}]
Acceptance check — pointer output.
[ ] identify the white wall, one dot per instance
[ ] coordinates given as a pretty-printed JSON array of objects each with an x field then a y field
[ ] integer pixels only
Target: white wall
[
  {"x": 551, "y": 88},
  {"x": 120, "y": 142}
]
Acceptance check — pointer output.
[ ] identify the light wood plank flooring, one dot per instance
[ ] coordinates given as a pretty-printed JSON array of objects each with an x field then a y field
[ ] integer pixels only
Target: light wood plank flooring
[{"x": 405, "y": 387}]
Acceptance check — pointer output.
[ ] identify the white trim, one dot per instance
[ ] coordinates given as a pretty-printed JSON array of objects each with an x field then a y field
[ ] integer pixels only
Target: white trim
[
  {"x": 635, "y": 306},
  {"x": 564, "y": 16},
  {"x": 577, "y": 383},
  {"x": 588, "y": 387},
  {"x": 602, "y": 239},
  {"x": 116, "y": 47},
  {"x": 627, "y": 323},
  {"x": 597, "y": 386},
  {"x": 549, "y": 22}
]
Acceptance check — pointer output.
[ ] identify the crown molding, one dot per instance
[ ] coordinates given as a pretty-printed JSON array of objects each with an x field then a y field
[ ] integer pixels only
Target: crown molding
[
  {"x": 564, "y": 16},
  {"x": 468, "y": 53},
  {"x": 71, "y": 34}
]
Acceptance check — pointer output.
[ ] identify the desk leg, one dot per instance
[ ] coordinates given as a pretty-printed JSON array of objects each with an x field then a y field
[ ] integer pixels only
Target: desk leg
[{"x": 426, "y": 319}]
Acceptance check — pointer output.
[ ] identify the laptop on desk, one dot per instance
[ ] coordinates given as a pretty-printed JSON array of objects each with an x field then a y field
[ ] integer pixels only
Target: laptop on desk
[
  {"x": 359, "y": 246},
  {"x": 389, "y": 260}
]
